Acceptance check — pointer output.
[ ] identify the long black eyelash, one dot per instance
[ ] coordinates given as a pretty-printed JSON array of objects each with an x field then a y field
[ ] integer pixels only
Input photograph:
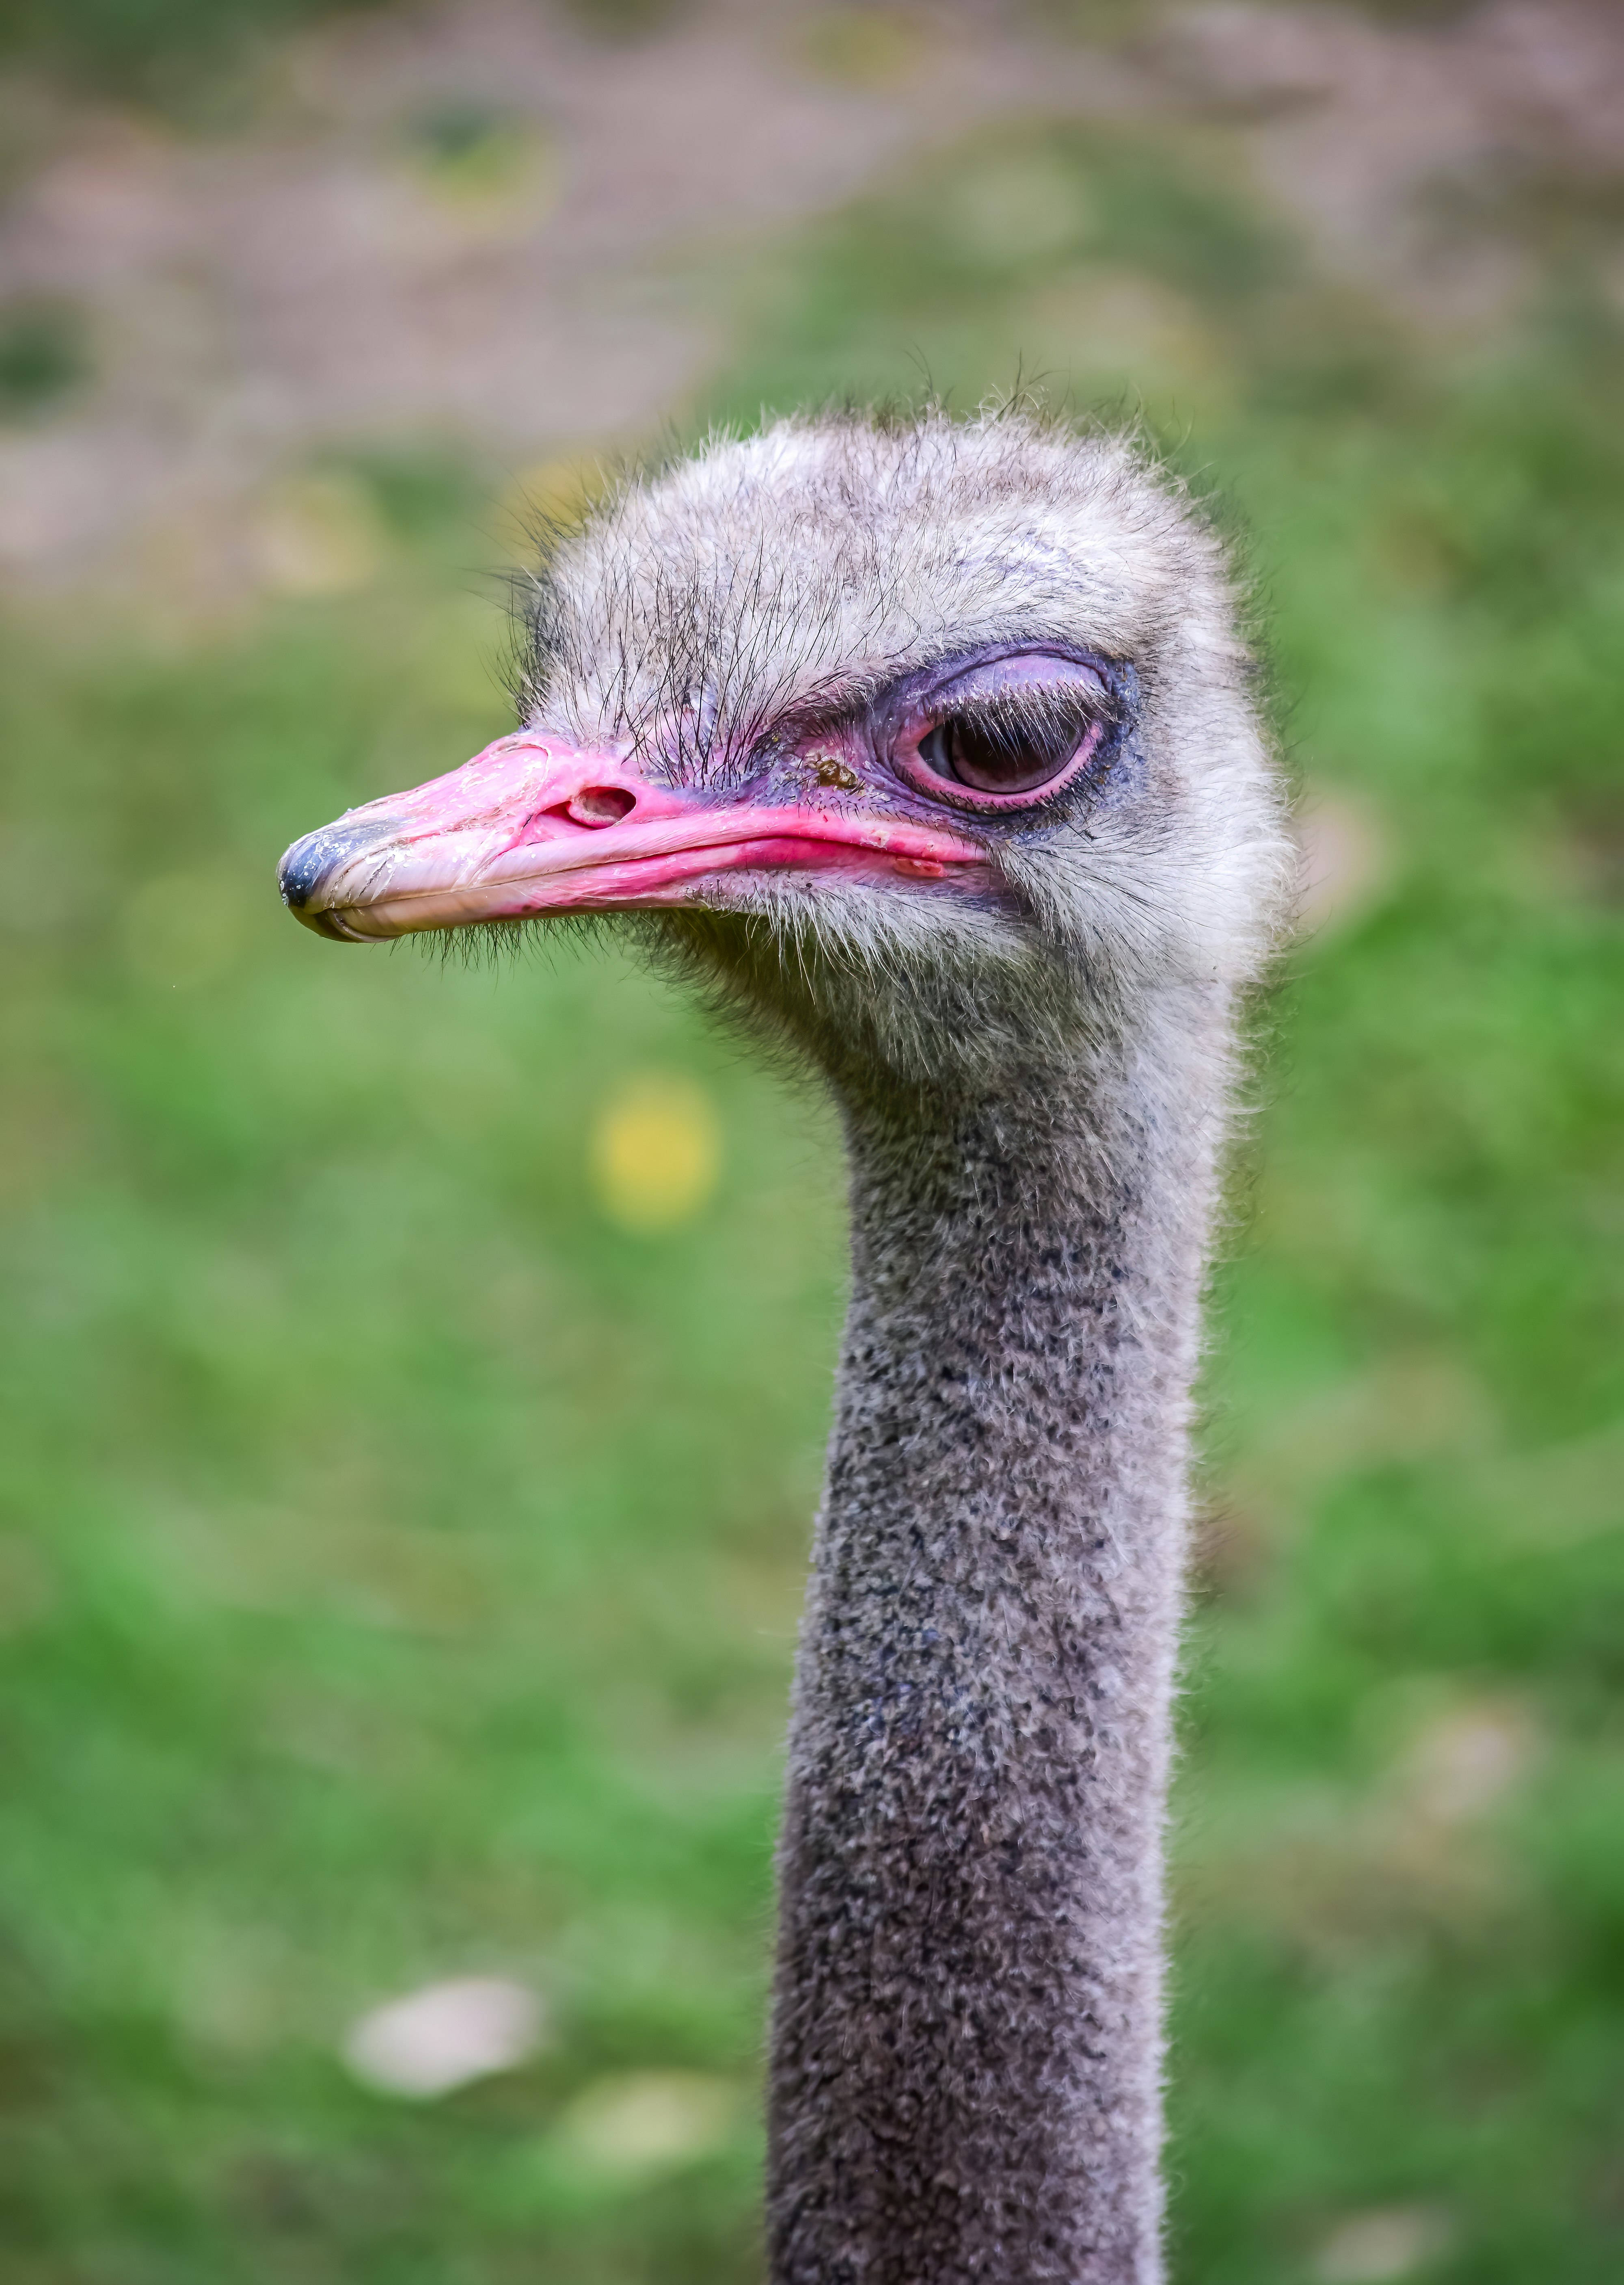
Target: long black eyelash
[
  {"x": 1014, "y": 718},
  {"x": 1037, "y": 713}
]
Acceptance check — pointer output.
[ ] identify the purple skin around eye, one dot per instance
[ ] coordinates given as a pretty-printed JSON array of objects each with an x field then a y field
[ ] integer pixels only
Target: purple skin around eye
[{"x": 991, "y": 681}]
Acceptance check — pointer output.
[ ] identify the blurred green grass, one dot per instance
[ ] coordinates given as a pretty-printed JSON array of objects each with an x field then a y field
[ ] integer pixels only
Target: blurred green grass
[{"x": 402, "y": 1560}]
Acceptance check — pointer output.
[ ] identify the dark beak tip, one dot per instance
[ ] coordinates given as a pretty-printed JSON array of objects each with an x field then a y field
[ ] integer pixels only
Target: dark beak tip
[
  {"x": 313, "y": 860},
  {"x": 302, "y": 869}
]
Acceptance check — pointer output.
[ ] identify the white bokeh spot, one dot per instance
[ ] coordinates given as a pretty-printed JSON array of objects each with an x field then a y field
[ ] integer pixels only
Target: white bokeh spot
[{"x": 431, "y": 2041}]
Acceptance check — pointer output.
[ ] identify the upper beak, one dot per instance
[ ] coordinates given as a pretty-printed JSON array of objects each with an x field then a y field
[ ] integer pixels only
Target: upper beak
[{"x": 535, "y": 825}]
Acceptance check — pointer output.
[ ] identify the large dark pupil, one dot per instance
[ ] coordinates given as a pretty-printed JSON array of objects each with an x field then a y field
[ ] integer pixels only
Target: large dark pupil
[{"x": 995, "y": 759}]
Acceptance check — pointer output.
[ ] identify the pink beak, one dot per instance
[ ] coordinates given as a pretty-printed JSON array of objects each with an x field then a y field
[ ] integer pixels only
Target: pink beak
[{"x": 535, "y": 825}]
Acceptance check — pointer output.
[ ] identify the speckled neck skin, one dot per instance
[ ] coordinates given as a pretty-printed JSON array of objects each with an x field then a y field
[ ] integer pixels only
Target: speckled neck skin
[{"x": 967, "y": 2036}]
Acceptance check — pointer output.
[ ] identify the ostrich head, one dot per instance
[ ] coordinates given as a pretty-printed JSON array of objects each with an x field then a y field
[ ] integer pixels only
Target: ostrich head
[{"x": 930, "y": 743}]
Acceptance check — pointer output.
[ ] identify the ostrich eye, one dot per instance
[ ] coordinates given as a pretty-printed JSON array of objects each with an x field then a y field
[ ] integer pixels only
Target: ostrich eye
[
  {"x": 997, "y": 756},
  {"x": 1010, "y": 732}
]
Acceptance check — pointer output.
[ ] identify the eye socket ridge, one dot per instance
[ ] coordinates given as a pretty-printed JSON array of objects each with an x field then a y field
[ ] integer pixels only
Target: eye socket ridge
[{"x": 1021, "y": 738}]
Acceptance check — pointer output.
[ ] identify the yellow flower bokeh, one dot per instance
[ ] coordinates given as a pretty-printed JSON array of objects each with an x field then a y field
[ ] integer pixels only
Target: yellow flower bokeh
[{"x": 657, "y": 1152}]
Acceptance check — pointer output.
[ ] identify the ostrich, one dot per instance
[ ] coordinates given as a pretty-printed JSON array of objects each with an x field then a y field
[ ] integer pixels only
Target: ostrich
[{"x": 927, "y": 746}]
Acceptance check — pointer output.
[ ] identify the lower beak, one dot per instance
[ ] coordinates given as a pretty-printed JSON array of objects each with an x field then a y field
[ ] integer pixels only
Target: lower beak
[{"x": 533, "y": 824}]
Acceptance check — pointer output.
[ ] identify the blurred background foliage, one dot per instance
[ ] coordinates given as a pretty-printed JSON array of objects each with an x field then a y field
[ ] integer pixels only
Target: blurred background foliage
[
  {"x": 415, "y": 1375},
  {"x": 175, "y": 49},
  {"x": 159, "y": 48}
]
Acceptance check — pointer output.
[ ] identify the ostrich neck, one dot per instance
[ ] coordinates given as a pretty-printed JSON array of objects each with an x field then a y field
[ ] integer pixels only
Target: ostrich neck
[{"x": 966, "y": 2042}]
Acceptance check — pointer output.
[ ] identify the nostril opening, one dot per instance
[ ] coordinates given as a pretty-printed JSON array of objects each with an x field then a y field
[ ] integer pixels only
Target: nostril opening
[{"x": 599, "y": 804}]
